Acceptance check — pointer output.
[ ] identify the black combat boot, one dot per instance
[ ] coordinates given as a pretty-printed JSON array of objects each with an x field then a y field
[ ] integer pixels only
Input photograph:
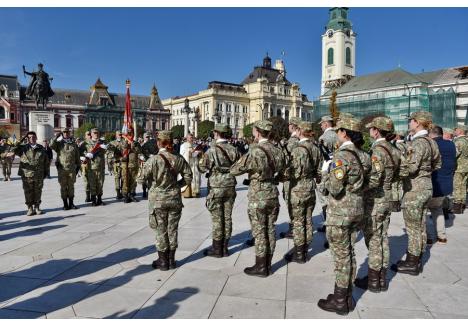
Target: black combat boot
[
  {"x": 70, "y": 203},
  {"x": 216, "y": 250},
  {"x": 162, "y": 262},
  {"x": 127, "y": 199},
  {"x": 145, "y": 193},
  {"x": 446, "y": 212},
  {"x": 337, "y": 302},
  {"x": 457, "y": 208},
  {"x": 65, "y": 204},
  {"x": 323, "y": 228},
  {"x": 370, "y": 282},
  {"x": 38, "y": 209},
  {"x": 269, "y": 259},
  {"x": 289, "y": 234},
  {"x": 250, "y": 242},
  {"x": 383, "y": 280},
  {"x": 119, "y": 194},
  {"x": 88, "y": 198},
  {"x": 260, "y": 268},
  {"x": 99, "y": 201},
  {"x": 31, "y": 211},
  {"x": 226, "y": 248},
  {"x": 326, "y": 244},
  {"x": 408, "y": 266},
  {"x": 172, "y": 261},
  {"x": 93, "y": 200},
  {"x": 132, "y": 198},
  {"x": 296, "y": 255}
]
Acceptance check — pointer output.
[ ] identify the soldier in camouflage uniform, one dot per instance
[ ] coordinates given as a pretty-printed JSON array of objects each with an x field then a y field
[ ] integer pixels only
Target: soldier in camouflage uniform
[
  {"x": 460, "y": 178},
  {"x": 422, "y": 158},
  {"x": 217, "y": 161},
  {"x": 377, "y": 195},
  {"x": 5, "y": 161},
  {"x": 129, "y": 151},
  {"x": 165, "y": 201},
  {"x": 344, "y": 179},
  {"x": 85, "y": 167},
  {"x": 304, "y": 168},
  {"x": 33, "y": 168},
  {"x": 68, "y": 164},
  {"x": 264, "y": 164},
  {"x": 148, "y": 149},
  {"x": 94, "y": 151},
  {"x": 116, "y": 157},
  {"x": 326, "y": 142},
  {"x": 287, "y": 150},
  {"x": 397, "y": 185}
]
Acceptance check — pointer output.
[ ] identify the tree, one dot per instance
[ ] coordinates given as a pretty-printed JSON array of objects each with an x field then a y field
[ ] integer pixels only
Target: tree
[
  {"x": 280, "y": 128},
  {"x": 205, "y": 128},
  {"x": 247, "y": 130},
  {"x": 178, "y": 131},
  {"x": 334, "y": 111},
  {"x": 80, "y": 132}
]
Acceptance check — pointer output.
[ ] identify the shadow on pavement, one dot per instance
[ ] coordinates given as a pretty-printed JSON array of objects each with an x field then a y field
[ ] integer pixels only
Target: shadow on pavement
[{"x": 29, "y": 232}]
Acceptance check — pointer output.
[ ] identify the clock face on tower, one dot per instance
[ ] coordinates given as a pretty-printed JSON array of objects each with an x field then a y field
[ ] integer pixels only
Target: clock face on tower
[{"x": 330, "y": 33}]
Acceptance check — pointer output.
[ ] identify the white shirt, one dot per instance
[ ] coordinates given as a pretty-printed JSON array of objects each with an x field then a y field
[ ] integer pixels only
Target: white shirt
[
  {"x": 346, "y": 143},
  {"x": 221, "y": 140},
  {"x": 329, "y": 128},
  {"x": 420, "y": 133},
  {"x": 262, "y": 140},
  {"x": 303, "y": 139}
]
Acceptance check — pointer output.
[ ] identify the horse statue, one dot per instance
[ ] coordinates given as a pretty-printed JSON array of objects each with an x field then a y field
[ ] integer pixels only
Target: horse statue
[{"x": 39, "y": 88}]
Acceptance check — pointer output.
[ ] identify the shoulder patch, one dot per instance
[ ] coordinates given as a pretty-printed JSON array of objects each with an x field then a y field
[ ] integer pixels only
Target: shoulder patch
[
  {"x": 336, "y": 164},
  {"x": 339, "y": 173},
  {"x": 376, "y": 163}
]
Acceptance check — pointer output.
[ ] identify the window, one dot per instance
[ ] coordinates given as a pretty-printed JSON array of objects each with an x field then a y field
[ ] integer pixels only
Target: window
[
  {"x": 103, "y": 101},
  {"x": 278, "y": 112},
  {"x": 57, "y": 120},
  {"x": 286, "y": 115},
  {"x": 228, "y": 108},
  {"x": 12, "y": 117},
  {"x": 80, "y": 120},
  {"x": 2, "y": 92},
  {"x": 330, "y": 56},
  {"x": 348, "y": 56},
  {"x": 69, "y": 121},
  {"x": 236, "y": 108},
  {"x": 228, "y": 121},
  {"x": 163, "y": 125},
  {"x": 2, "y": 112},
  {"x": 153, "y": 125}
]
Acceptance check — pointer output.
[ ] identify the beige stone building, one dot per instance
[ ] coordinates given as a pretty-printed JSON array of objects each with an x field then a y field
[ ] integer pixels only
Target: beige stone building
[{"x": 264, "y": 92}]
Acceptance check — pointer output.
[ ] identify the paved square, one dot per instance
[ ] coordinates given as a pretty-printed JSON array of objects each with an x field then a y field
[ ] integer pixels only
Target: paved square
[{"x": 94, "y": 262}]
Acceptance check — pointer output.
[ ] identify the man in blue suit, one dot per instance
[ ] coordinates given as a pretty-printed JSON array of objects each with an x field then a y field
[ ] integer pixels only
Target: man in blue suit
[{"x": 442, "y": 183}]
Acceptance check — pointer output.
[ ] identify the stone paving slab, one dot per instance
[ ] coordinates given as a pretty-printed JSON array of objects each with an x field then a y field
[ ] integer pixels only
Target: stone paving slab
[{"x": 94, "y": 262}]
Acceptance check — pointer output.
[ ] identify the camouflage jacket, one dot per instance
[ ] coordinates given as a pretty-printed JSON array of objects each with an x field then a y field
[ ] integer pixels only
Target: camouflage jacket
[
  {"x": 218, "y": 160},
  {"x": 262, "y": 170},
  {"x": 4, "y": 149},
  {"x": 329, "y": 139},
  {"x": 34, "y": 163},
  {"x": 461, "y": 143},
  {"x": 422, "y": 158},
  {"x": 345, "y": 181},
  {"x": 132, "y": 149},
  {"x": 113, "y": 153},
  {"x": 305, "y": 164},
  {"x": 68, "y": 154},
  {"x": 162, "y": 179},
  {"x": 149, "y": 148},
  {"x": 385, "y": 160},
  {"x": 98, "y": 162}
]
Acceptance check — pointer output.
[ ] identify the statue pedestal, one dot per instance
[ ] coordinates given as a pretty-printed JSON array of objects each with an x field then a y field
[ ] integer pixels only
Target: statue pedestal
[{"x": 42, "y": 122}]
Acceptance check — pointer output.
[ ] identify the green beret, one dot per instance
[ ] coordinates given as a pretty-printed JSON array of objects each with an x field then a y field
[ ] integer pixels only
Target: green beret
[
  {"x": 306, "y": 126},
  {"x": 95, "y": 130},
  {"x": 421, "y": 116},
  {"x": 352, "y": 124},
  {"x": 326, "y": 118},
  {"x": 165, "y": 135},
  {"x": 344, "y": 115},
  {"x": 448, "y": 131},
  {"x": 295, "y": 121},
  {"x": 221, "y": 127},
  {"x": 382, "y": 123},
  {"x": 263, "y": 125},
  {"x": 462, "y": 127}
]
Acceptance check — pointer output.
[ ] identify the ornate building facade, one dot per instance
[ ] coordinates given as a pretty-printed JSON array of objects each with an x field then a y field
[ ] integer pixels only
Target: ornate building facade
[{"x": 265, "y": 92}]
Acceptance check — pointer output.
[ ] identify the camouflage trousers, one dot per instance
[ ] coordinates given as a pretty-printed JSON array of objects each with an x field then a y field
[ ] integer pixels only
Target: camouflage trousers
[
  {"x": 219, "y": 203},
  {"x": 84, "y": 174},
  {"x": 32, "y": 190},
  {"x": 95, "y": 181},
  {"x": 164, "y": 220},
  {"x": 66, "y": 180},
  {"x": 263, "y": 216},
  {"x": 460, "y": 180},
  {"x": 397, "y": 191},
  {"x": 302, "y": 204},
  {"x": 129, "y": 175},
  {"x": 376, "y": 221},
  {"x": 414, "y": 214},
  {"x": 117, "y": 176},
  {"x": 435, "y": 206},
  {"x": 287, "y": 199},
  {"x": 341, "y": 240},
  {"x": 6, "y": 168},
  {"x": 321, "y": 194}
]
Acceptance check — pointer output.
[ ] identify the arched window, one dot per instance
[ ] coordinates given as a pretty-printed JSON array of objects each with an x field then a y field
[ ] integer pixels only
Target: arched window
[
  {"x": 286, "y": 115},
  {"x": 330, "y": 56},
  {"x": 57, "y": 119},
  {"x": 69, "y": 121},
  {"x": 278, "y": 113},
  {"x": 348, "y": 56},
  {"x": 2, "y": 112}
]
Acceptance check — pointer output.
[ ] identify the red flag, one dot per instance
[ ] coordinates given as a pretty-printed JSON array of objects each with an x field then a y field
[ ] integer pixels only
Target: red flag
[{"x": 128, "y": 117}]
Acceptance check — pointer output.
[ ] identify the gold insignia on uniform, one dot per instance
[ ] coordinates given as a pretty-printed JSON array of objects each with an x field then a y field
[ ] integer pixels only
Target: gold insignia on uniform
[
  {"x": 376, "y": 163},
  {"x": 339, "y": 173}
]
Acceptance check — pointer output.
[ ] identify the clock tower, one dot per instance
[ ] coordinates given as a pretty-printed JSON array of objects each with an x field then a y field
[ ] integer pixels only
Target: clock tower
[{"x": 338, "y": 50}]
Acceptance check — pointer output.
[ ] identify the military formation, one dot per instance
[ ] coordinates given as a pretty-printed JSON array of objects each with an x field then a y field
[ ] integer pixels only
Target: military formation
[{"x": 357, "y": 189}]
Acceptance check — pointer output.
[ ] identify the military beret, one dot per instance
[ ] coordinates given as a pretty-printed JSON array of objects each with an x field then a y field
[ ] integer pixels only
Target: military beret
[
  {"x": 462, "y": 127},
  {"x": 95, "y": 130},
  {"x": 263, "y": 125},
  {"x": 382, "y": 123},
  {"x": 326, "y": 118},
  {"x": 306, "y": 126},
  {"x": 421, "y": 116},
  {"x": 352, "y": 124},
  {"x": 448, "y": 131},
  {"x": 221, "y": 127},
  {"x": 343, "y": 115},
  {"x": 295, "y": 121},
  {"x": 165, "y": 135},
  {"x": 65, "y": 129}
]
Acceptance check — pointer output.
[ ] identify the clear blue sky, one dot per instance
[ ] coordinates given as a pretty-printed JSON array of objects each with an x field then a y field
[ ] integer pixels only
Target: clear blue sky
[{"x": 181, "y": 50}]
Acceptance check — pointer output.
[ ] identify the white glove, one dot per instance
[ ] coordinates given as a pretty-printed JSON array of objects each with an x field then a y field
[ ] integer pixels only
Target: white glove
[
  {"x": 142, "y": 158},
  {"x": 103, "y": 146},
  {"x": 82, "y": 158},
  {"x": 89, "y": 155},
  {"x": 59, "y": 138},
  {"x": 326, "y": 165}
]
